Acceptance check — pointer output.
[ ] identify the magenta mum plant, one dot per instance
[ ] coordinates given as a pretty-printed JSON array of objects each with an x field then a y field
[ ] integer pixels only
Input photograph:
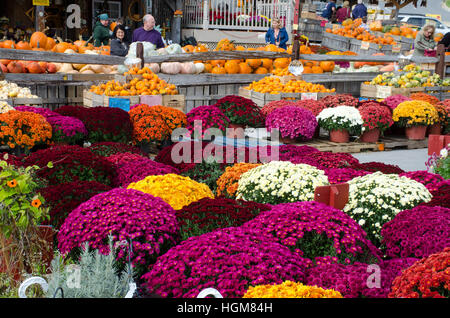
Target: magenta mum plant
[
  {"x": 354, "y": 281},
  {"x": 418, "y": 232},
  {"x": 47, "y": 113},
  {"x": 341, "y": 175},
  {"x": 393, "y": 101},
  {"x": 292, "y": 122},
  {"x": 316, "y": 231},
  {"x": 229, "y": 260},
  {"x": 126, "y": 215},
  {"x": 206, "y": 117},
  {"x": 429, "y": 180},
  {"x": 67, "y": 129},
  {"x": 241, "y": 111}
]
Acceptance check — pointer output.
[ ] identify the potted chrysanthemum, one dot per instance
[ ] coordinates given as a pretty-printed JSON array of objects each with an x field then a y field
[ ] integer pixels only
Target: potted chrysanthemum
[
  {"x": 377, "y": 119},
  {"x": 341, "y": 122}
]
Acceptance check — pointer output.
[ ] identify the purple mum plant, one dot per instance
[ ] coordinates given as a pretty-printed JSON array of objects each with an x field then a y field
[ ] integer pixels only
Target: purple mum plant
[
  {"x": 147, "y": 221},
  {"x": 316, "y": 231},
  {"x": 358, "y": 280},
  {"x": 229, "y": 260},
  {"x": 292, "y": 122},
  {"x": 341, "y": 175},
  {"x": 47, "y": 113},
  {"x": 206, "y": 117},
  {"x": 418, "y": 232}
]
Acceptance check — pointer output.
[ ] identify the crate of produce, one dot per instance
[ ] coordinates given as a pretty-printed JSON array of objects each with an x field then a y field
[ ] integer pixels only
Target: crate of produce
[
  {"x": 262, "y": 99},
  {"x": 312, "y": 29},
  {"x": 441, "y": 92},
  {"x": 369, "y": 48},
  {"x": 380, "y": 91},
  {"x": 286, "y": 78},
  {"x": 335, "y": 42}
]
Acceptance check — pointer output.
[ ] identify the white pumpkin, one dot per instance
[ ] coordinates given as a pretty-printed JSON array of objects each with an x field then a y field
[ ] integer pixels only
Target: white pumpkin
[
  {"x": 188, "y": 68},
  {"x": 174, "y": 49},
  {"x": 199, "y": 67},
  {"x": 171, "y": 67}
]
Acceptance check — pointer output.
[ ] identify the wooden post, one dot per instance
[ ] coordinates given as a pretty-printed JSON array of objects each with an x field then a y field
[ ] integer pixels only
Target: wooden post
[
  {"x": 140, "y": 53},
  {"x": 440, "y": 65},
  {"x": 40, "y": 20},
  {"x": 176, "y": 25}
]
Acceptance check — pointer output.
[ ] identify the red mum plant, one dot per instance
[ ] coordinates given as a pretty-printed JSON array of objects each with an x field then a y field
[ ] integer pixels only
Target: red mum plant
[
  {"x": 427, "y": 278},
  {"x": 376, "y": 116},
  {"x": 315, "y": 106},
  {"x": 339, "y": 100},
  {"x": 324, "y": 160},
  {"x": 377, "y": 166},
  {"x": 70, "y": 164},
  {"x": 441, "y": 195},
  {"x": 65, "y": 197},
  {"x": 241, "y": 111},
  {"x": 123, "y": 157},
  {"x": 207, "y": 215},
  {"x": 102, "y": 123},
  {"x": 271, "y": 106}
]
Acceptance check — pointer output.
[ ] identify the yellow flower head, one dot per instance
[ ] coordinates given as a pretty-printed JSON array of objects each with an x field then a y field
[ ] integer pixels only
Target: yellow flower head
[
  {"x": 176, "y": 190},
  {"x": 415, "y": 112},
  {"x": 290, "y": 289}
]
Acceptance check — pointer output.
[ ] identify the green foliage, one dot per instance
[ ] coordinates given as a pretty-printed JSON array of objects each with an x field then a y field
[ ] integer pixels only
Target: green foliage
[
  {"x": 95, "y": 276},
  {"x": 207, "y": 173},
  {"x": 443, "y": 167}
]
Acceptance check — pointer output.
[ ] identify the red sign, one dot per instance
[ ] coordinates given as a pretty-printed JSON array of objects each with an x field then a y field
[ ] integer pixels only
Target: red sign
[
  {"x": 335, "y": 195},
  {"x": 436, "y": 143}
]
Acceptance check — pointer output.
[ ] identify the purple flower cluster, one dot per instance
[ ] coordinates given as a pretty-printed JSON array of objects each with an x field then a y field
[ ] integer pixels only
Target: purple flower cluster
[
  {"x": 429, "y": 180},
  {"x": 341, "y": 175},
  {"x": 69, "y": 126},
  {"x": 292, "y": 122},
  {"x": 418, "y": 232},
  {"x": 354, "y": 281},
  {"x": 229, "y": 260},
  {"x": 147, "y": 221},
  {"x": 315, "y": 230},
  {"x": 47, "y": 113},
  {"x": 208, "y": 117},
  {"x": 136, "y": 170}
]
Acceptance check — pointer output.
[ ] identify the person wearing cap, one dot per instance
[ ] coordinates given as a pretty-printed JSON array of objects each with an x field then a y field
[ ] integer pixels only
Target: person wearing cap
[
  {"x": 344, "y": 12},
  {"x": 101, "y": 31},
  {"x": 147, "y": 33}
]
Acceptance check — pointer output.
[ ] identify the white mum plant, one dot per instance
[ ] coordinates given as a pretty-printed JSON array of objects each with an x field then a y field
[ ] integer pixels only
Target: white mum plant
[
  {"x": 280, "y": 182},
  {"x": 341, "y": 118}
]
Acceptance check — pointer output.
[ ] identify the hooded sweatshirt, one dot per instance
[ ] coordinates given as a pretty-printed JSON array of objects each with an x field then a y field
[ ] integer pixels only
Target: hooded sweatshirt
[{"x": 101, "y": 34}]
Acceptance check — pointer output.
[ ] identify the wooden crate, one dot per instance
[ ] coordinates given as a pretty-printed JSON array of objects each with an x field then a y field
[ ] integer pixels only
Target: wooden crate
[
  {"x": 379, "y": 91},
  {"x": 309, "y": 15},
  {"x": 174, "y": 101},
  {"x": 91, "y": 99},
  {"x": 286, "y": 78},
  {"x": 355, "y": 46},
  {"x": 441, "y": 92},
  {"x": 335, "y": 42},
  {"x": 262, "y": 99},
  {"x": 23, "y": 101}
]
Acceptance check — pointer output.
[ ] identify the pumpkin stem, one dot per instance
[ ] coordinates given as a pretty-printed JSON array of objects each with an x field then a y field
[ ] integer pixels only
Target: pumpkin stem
[{"x": 59, "y": 39}]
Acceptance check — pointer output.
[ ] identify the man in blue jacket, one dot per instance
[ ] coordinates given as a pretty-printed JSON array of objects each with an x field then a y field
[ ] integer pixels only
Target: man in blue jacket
[
  {"x": 360, "y": 10},
  {"x": 329, "y": 10}
]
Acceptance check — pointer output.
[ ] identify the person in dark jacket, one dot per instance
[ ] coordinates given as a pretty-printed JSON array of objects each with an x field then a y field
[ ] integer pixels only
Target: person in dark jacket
[
  {"x": 446, "y": 41},
  {"x": 277, "y": 34},
  {"x": 118, "y": 45},
  {"x": 360, "y": 10},
  {"x": 101, "y": 31}
]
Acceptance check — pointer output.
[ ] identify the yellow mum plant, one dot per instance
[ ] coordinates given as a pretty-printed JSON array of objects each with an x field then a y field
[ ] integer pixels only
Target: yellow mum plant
[
  {"x": 290, "y": 289},
  {"x": 414, "y": 113},
  {"x": 176, "y": 190}
]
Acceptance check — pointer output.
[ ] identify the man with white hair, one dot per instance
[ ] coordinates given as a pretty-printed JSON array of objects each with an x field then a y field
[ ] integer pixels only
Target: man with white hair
[
  {"x": 360, "y": 10},
  {"x": 147, "y": 33}
]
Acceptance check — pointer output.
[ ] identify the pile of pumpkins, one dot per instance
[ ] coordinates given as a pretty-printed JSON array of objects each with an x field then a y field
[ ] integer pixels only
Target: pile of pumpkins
[
  {"x": 40, "y": 42},
  {"x": 352, "y": 29}
]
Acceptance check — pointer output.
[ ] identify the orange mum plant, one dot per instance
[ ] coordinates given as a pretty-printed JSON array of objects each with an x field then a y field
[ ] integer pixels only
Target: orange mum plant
[
  {"x": 24, "y": 129},
  {"x": 227, "y": 184}
]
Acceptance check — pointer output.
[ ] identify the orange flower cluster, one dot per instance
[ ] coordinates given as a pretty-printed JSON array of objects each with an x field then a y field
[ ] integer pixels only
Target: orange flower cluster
[
  {"x": 24, "y": 129},
  {"x": 150, "y": 84},
  {"x": 227, "y": 184},
  {"x": 273, "y": 85},
  {"x": 155, "y": 123},
  {"x": 354, "y": 30},
  {"x": 425, "y": 97}
]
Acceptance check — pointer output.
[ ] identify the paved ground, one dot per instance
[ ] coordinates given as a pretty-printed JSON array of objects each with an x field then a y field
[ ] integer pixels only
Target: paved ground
[{"x": 408, "y": 160}]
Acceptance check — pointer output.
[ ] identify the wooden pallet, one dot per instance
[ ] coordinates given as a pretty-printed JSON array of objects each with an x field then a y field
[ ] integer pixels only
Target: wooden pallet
[{"x": 396, "y": 142}]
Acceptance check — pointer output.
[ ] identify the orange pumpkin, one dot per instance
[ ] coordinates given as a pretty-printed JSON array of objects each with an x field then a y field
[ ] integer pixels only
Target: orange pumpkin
[
  {"x": 282, "y": 62},
  {"x": 208, "y": 68},
  {"x": 50, "y": 44},
  {"x": 232, "y": 67},
  {"x": 317, "y": 69},
  {"x": 272, "y": 48},
  {"x": 15, "y": 67},
  {"x": 38, "y": 40},
  {"x": 189, "y": 48},
  {"x": 219, "y": 70},
  {"x": 261, "y": 70},
  {"x": 267, "y": 63},
  {"x": 307, "y": 70},
  {"x": 244, "y": 68},
  {"x": 61, "y": 47},
  {"x": 395, "y": 31},
  {"x": 8, "y": 44},
  {"x": 327, "y": 66},
  {"x": 218, "y": 63},
  {"x": 34, "y": 68},
  {"x": 254, "y": 63},
  {"x": 112, "y": 26},
  {"x": 22, "y": 45}
]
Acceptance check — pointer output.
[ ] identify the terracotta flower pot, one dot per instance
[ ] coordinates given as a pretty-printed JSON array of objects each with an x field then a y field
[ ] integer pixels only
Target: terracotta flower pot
[
  {"x": 317, "y": 132},
  {"x": 288, "y": 140},
  {"x": 416, "y": 132},
  {"x": 339, "y": 136},
  {"x": 371, "y": 135},
  {"x": 435, "y": 129}
]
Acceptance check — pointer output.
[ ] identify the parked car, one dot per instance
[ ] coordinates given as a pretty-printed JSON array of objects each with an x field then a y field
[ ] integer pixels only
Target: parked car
[{"x": 422, "y": 20}]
